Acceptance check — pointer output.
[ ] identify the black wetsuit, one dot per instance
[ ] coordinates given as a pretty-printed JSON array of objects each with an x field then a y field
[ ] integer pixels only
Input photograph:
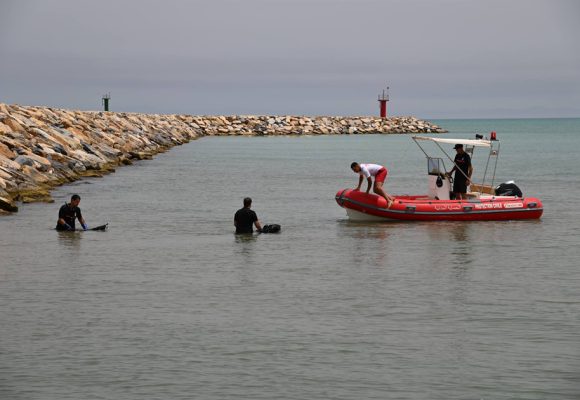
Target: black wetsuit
[
  {"x": 245, "y": 219},
  {"x": 463, "y": 162},
  {"x": 69, "y": 214}
]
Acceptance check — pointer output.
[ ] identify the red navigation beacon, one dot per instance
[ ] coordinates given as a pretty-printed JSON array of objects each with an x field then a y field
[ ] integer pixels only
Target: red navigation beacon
[{"x": 383, "y": 102}]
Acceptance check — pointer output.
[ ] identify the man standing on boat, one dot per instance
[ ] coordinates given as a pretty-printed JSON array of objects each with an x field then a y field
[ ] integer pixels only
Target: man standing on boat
[
  {"x": 380, "y": 174},
  {"x": 463, "y": 170}
]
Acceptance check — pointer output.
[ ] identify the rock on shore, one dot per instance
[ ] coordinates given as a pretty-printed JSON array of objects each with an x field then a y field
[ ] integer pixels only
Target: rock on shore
[{"x": 42, "y": 147}]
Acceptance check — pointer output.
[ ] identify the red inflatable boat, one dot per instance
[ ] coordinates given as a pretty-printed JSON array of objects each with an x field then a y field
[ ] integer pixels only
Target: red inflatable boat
[
  {"x": 483, "y": 203},
  {"x": 362, "y": 206}
]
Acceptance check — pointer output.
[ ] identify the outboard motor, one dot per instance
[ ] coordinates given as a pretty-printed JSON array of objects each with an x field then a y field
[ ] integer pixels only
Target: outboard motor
[{"x": 508, "y": 189}]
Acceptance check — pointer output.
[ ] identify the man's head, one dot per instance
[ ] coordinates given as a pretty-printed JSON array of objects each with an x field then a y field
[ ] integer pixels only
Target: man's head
[
  {"x": 75, "y": 200},
  {"x": 459, "y": 148},
  {"x": 355, "y": 167},
  {"x": 247, "y": 202}
]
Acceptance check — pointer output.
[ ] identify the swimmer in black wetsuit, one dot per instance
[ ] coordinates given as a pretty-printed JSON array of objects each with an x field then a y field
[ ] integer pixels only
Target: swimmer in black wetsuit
[{"x": 68, "y": 213}]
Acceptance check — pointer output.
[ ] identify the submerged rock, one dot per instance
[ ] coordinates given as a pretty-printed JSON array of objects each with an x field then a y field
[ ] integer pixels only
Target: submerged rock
[{"x": 6, "y": 204}]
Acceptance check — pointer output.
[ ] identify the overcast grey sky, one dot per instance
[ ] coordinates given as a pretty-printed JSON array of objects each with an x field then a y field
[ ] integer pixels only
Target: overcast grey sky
[{"x": 441, "y": 58}]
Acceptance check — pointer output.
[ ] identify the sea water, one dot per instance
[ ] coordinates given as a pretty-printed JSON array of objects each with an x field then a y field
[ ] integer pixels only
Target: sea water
[{"x": 170, "y": 304}]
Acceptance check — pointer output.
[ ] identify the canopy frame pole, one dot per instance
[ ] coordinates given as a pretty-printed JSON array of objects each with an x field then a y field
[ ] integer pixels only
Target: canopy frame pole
[
  {"x": 486, "y": 165},
  {"x": 492, "y": 152},
  {"x": 495, "y": 166},
  {"x": 417, "y": 143}
]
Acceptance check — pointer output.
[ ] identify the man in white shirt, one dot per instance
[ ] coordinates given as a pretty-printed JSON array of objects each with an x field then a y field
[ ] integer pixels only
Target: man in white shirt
[{"x": 380, "y": 174}]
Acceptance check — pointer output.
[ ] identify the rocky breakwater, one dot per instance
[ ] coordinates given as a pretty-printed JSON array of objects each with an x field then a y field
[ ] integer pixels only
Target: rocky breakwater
[{"x": 42, "y": 147}]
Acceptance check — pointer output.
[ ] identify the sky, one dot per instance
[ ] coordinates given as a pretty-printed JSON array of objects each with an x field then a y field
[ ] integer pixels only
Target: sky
[{"x": 440, "y": 58}]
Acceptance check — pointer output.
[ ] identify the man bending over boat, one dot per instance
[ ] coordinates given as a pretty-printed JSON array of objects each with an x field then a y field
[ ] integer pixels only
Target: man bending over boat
[
  {"x": 380, "y": 174},
  {"x": 463, "y": 171},
  {"x": 245, "y": 218}
]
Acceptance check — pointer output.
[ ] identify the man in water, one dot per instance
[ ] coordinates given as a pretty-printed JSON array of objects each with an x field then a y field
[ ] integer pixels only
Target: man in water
[
  {"x": 380, "y": 174},
  {"x": 68, "y": 213},
  {"x": 463, "y": 171},
  {"x": 245, "y": 218}
]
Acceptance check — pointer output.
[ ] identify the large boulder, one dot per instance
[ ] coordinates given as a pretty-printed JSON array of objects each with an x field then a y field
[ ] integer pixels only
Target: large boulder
[
  {"x": 8, "y": 163},
  {"x": 4, "y": 128},
  {"x": 6, "y": 152},
  {"x": 13, "y": 124},
  {"x": 33, "y": 160},
  {"x": 90, "y": 161},
  {"x": 35, "y": 175}
]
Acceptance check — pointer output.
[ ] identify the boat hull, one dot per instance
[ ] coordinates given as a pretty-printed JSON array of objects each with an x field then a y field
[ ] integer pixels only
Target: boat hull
[{"x": 421, "y": 208}]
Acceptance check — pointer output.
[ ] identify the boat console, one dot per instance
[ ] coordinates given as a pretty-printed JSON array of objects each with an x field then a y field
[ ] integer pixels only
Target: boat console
[{"x": 439, "y": 183}]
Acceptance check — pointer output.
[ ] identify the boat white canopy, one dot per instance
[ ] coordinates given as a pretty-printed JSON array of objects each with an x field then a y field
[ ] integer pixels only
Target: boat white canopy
[
  {"x": 471, "y": 144},
  {"x": 465, "y": 142}
]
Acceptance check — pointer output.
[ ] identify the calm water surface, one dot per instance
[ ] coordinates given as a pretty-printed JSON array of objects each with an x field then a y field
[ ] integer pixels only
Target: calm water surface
[{"x": 170, "y": 304}]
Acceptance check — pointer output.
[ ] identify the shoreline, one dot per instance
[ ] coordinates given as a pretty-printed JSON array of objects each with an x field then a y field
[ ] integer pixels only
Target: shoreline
[{"x": 44, "y": 147}]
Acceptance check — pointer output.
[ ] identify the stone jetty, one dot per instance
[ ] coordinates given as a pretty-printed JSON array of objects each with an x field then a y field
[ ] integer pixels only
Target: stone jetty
[{"x": 43, "y": 147}]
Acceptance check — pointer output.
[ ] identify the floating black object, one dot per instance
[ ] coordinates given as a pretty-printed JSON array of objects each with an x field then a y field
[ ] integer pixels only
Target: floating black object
[
  {"x": 272, "y": 228},
  {"x": 96, "y": 228},
  {"x": 100, "y": 228}
]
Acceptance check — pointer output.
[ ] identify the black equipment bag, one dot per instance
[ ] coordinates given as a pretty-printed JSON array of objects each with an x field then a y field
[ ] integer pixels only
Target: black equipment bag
[{"x": 271, "y": 228}]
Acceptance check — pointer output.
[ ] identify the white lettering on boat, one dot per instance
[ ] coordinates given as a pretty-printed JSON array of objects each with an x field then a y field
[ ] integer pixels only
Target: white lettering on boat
[
  {"x": 487, "y": 206},
  {"x": 447, "y": 207},
  {"x": 513, "y": 205}
]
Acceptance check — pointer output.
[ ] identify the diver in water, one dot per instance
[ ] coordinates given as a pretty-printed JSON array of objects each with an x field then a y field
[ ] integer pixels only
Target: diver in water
[
  {"x": 245, "y": 218},
  {"x": 68, "y": 213}
]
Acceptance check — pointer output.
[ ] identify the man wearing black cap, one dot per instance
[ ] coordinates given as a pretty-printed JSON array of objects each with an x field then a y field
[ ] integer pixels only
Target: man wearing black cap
[{"x": 463, "y": 171}]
